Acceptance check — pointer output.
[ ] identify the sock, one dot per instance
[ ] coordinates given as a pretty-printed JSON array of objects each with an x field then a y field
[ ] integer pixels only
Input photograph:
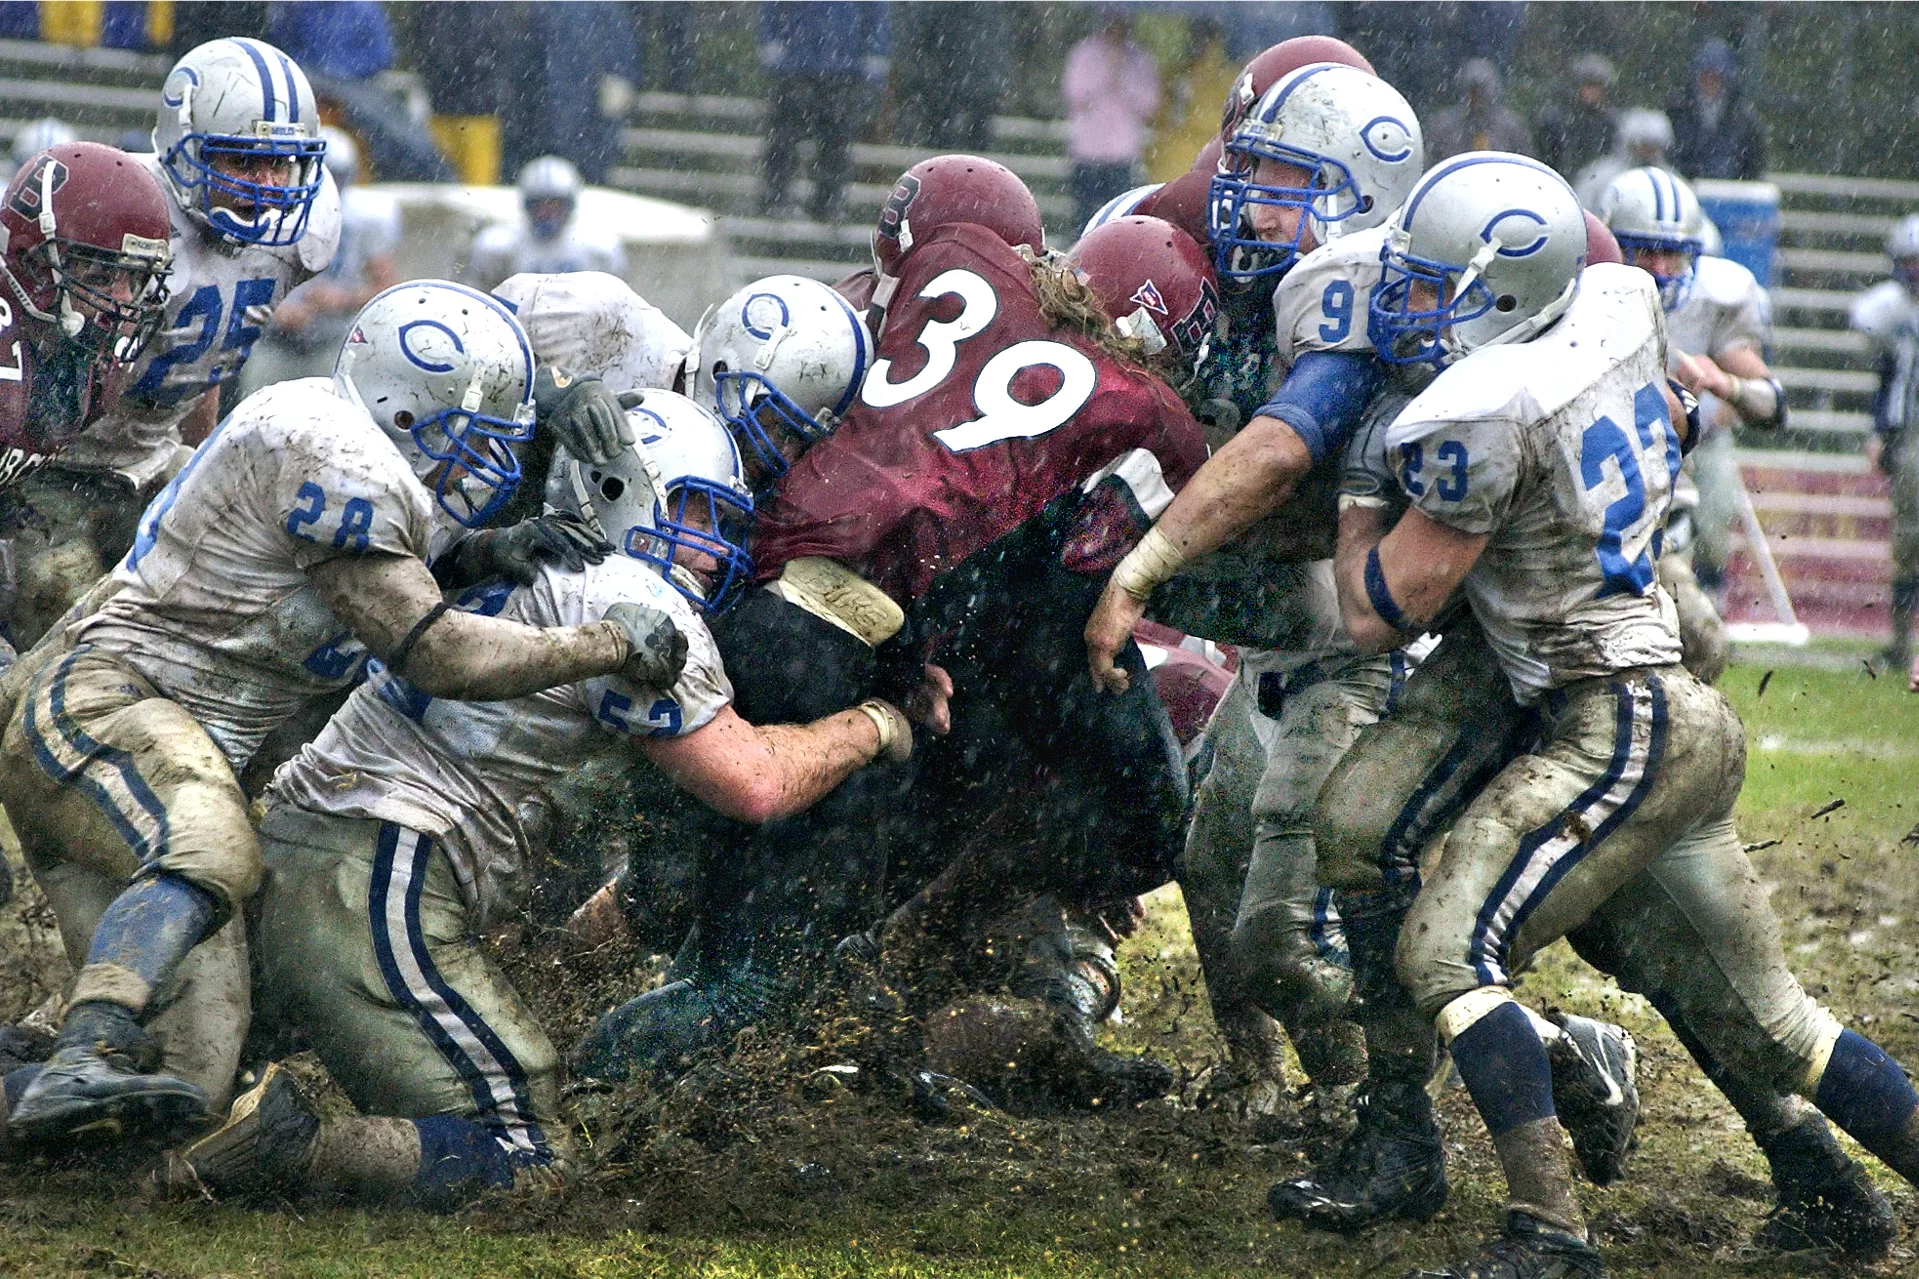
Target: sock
[
  {"x": 459, "y": 1160},
  {"x": 1505, "y": 1069},
  {"x": 366, "y": 1157},
  {"x": 1539, "y": 1180},
  {"x": 141, "y": 940},
  {"x": 1865, "y": 1093},
  {"x": 1400, "y": 1043}
]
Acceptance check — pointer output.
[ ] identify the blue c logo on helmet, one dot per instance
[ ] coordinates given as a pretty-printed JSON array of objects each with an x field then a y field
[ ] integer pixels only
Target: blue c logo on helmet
[
  {"x": 1393, "y": 133},
  {"x": 417, "y": 347},
  {"x": 1519, "y": 251},
  {"x": 190, "y": 75},
  {"x": 746, "y": 315}
]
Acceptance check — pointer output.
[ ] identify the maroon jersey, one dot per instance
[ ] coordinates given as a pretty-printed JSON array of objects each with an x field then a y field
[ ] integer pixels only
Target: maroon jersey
[
  {"x": 42, "y": 409},
  {"x": 976, "y": 414}
]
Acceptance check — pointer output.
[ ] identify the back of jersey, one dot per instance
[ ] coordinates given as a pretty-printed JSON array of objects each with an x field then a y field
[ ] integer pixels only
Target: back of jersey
[
  {"x": 976, "y": 414},
  {"x": 1563, "y": 452}
]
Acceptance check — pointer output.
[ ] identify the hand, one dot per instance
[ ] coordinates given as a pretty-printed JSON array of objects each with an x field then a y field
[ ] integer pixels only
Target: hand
[
  {"x": 896, "y": 738},
  {"x": 1876, "y": 451},
  {"x": 656, "y": 650},
  {"x": 929, "y": 704},
  {"x": 561, "y": 538},
  {"x": 1912, "y": 680},
  {"x": 1107, "y": 632},
  {"x": 1698, "y": 373},
  {"x": 582, "y": 414},
  {"x": 598, "y": 921}
]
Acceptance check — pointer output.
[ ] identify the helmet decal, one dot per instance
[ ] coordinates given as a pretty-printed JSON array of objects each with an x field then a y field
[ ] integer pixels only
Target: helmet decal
[
  {"x": 409, "y": 345},
  {"x": 1490, "y": 231},
  {"x": 1148, "y": 296},
  {"x": 765, "y": 328},
  {"x": 1388, "y": 137}
]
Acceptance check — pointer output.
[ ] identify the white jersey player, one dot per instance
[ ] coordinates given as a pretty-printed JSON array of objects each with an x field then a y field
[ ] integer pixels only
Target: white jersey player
[
  {"x": 395, "y": 835},
  {"x": 594, "y": 325},
  {"x": 551, "y": 239}
]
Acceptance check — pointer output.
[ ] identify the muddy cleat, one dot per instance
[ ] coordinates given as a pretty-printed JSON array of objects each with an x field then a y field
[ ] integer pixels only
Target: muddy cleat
[
  {"x": 265, "y": 1145},
  {"x": 1826, "y": 1201},
  {"x": 85, "y": 1093},
  {"x": 22, "y": 1046},
  {"x": 1530, "y": 1249},
  {"x": 1392, "y": 1166},
  {"x": 1595, "y": 1067}
]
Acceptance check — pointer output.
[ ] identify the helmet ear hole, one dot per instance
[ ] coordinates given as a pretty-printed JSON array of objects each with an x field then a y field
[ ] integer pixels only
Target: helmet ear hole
[
  {"x": 612, "y": 488},
  {"x": 403, "y": 420},
  {"x": 1505, "y": 303},
  {"x": 1365, "y": 204}
]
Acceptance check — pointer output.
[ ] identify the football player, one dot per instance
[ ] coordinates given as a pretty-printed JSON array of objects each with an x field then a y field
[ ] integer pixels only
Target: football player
[
  {"x": 395, "y": 837},
  {"x": 1633, "y": 765},
  {"x": 253, "y": 213},
  {"x": 552, "y": 240},
  {"x": 1888, "y": 315},
  {"x": 292, "y": 546}
]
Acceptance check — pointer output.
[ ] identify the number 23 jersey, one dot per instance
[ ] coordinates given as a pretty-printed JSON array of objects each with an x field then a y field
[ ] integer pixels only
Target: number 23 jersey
[
  {"x": 1562, "y": 450},
  {"x": 976, "y": 414},
  {"x": 220, "y": 298}
]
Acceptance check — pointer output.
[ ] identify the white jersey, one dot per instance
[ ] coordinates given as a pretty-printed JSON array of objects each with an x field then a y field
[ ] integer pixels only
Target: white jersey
[
  {"x": 1562, "y": 452},
  {"x": 220, "y": 296},
  {"x": 1888, "y": 315},
  {"x": 511, "y": 248},
  {"x": 459, "y": 770},
  {"x": 1724, "y": 310},
  {"x": 593, "y": 325},
  {"x": 216, "y": 608}
]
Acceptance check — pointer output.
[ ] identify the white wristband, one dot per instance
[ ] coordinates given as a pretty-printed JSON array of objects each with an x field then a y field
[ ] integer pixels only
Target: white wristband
[
  {"x": 882, "y": 723},
  {"x": 1153, "y": 561}
]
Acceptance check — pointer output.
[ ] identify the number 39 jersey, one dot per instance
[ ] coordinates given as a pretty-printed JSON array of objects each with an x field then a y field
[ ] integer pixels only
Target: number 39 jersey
[
  {"x": 219, "y": 299},
  {"x": 977, "y": 412},
  {"x": 215, "y": 607},
  {"x": 1560, "y": 449},
  {"x": 459, "y": 770}
]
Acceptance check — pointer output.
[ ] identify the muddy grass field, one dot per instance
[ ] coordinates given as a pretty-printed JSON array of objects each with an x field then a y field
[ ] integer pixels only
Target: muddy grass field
[{"x": 763, "y": 1164}]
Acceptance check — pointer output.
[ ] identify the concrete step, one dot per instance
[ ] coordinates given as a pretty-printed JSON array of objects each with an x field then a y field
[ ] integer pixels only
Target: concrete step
[
  {"x": 1841, "y": 380},
  {"x": 694, "y": 149},
  {"x": 739, "y": 192},
  {"x": 1010, "y": 133},
  {"x": 1838, "y": 342}
]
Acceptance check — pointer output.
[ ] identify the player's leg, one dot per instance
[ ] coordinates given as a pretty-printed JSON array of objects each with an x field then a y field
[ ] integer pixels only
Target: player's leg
[
  {"x": 366, "y": 945},
  {"x": 1627, "y": 766},
  {"x": 66, "y": 528},
  {"x": 96, "y": 769},
  {"x": 1905, "y": 544},
  {"x": 1718, "y": 478},
  {"x": 1702, "y": 632}
]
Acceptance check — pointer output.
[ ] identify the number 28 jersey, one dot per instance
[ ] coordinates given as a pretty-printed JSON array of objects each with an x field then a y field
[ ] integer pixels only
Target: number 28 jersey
[
  {"x": 977, "y": 413},
  {"x": 1560, "y": 449},
  {"x": 220, "y": 297}
]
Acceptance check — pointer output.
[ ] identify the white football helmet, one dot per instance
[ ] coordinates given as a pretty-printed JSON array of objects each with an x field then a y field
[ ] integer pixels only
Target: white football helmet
[
  {"x": 785, "y": 350},
  {"x": 239, "y": 99},
  {"x": 549, "y": 178},
  {"x": 702, "y": 506},
  {"x": 1122, "y": 205},
  {"x": 1499, "y": 238},
  {"x": 1355, "y": 136},
  {"x": 1651, "y": 210},
  {"x": 447, "y": 373}
]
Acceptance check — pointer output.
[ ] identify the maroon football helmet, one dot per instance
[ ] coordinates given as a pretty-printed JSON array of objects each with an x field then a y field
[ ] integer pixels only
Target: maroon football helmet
[
  {"x": 1275, "y": 64},
  {"x": 1600, "y": 244},
  {"x": 945, "y": 190},
  {"x": 86, "y": 246},
  {"x": 1153, "y": 280}
]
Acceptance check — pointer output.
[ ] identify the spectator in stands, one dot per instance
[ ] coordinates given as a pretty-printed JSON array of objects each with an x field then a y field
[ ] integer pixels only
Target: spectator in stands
[
  {"x": 951, "y": 73},
  {"x": 463, "y": 55},
  {"x": 1190, "y": 117},
  {"x": 1717, "y": 133},
  {"x": 570, "y": 72},
  {"x": 308, "y": 328},
  {"x": 1481, "y": 122},
  {"x": 1641, "y": 140},
  {"x": 1111, "y": 90},
  {"x": 342, "y": 47},
  {"x": 1888, "y": 314},
  {"x": 821, "y": 61},
  {"x": 1574, "y": 133}
]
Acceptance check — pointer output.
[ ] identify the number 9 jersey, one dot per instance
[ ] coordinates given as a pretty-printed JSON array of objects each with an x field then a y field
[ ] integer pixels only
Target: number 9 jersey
[
  {"x": 976, "y": 414},
  {"x": 220, "y": 297},
  {"x": 1562, "y": 451}
]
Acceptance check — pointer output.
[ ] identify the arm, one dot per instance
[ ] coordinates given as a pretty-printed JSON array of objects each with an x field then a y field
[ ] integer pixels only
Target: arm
[
  {"x": 382, "y": 598},
  {"x": 1740, "y": 378},
  {"x": 758, "y": 775},
  {"x": 1390, "y": 587},
  {"x": 201, "y": 418}
]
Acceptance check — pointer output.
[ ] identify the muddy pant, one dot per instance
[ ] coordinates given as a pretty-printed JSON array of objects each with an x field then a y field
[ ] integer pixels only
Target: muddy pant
[
  {"x": 1902, "y": 463},
  {"x": 1271, "y": 935},
  {"x": 366, "y": 946},
  {"x": 1717, "y": 475},
  {"x": 65, "y": 529},
  {"x": 109, "y": 783}
]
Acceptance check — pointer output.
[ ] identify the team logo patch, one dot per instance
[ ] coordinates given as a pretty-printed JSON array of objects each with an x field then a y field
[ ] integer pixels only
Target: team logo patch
[
  {"x": 893, "y": 215},
  {"x": 357, "y": 337},
  {"x": 1148, "y": 296},
  {"x": 26, "y": 195}
]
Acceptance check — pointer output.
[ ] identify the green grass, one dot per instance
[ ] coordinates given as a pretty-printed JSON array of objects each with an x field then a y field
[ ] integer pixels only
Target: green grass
[{"x": 1157, "y": 1192}]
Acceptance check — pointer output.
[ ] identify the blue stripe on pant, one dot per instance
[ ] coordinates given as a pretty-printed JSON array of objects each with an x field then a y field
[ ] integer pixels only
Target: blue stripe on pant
[
  {"x": 495, "y": 1078},
  {"x": 137, "y": 814}
]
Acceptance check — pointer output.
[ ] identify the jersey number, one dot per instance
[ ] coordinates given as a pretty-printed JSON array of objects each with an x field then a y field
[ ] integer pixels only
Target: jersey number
[
  {"x": 1626, "y": 549},
  {"x": 158, "y": 386},
  {"x": 1451, "y": 484},
  {"x": 1336, "y": 304},
  {"x": 356, "y": 518},
  {"x": 1001, "y": 416}
]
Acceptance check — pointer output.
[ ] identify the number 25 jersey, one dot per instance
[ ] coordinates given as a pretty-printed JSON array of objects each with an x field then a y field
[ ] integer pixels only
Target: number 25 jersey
[
  {"x": 977, "y": 413},
  {"x": 1562, "y": 451}
]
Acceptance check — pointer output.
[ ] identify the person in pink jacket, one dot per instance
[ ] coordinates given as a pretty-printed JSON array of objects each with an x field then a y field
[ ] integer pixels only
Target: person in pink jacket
[{"x": 1111, "y": 90}]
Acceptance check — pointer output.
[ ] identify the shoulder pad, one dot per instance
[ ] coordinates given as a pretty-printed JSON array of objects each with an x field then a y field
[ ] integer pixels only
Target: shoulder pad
[
  {"x": 322, "y": 238},
  {"x": 1724, "y": 282},
  {"x": 1301, "y": 324},
  {"x": 1882, "y": 308}
]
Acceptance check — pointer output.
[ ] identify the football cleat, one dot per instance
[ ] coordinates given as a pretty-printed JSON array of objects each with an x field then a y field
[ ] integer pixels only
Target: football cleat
[
  {"x": 1530, "y": 1249},
  {"x": 1595, "y": 1066},
  {"x": 1826, "y": 1201},
  {"x": 265, "y": 1145},
  {"x": 1392, "y": 1166},
  {"x": 85, "y": 1093}
]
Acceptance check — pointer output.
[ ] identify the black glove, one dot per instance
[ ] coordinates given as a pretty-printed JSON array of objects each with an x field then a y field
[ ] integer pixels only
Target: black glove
[
  {"x": 582, "y": 415},
  {"x": 517, "y": 551},
  {"x": 657, "y": 648}
]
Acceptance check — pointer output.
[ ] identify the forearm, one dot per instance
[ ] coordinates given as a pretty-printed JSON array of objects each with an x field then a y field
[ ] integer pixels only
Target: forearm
[
  {"x": 201, "y": 419},
  {"x": 811, "y": 760},
  {"x": 1360, "y": 531}
]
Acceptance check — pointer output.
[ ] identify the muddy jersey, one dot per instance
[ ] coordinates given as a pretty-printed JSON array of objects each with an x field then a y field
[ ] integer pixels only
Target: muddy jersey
[
  {"x": 1321, "y": 303},
  {"x": 593, "y": 325},
  {"x": 1723, "y": 311},
  {"x": 215, "y": 606},
  {"x": 1562, "y": 452},
  {"x": 219, "y": 299},
  {"x": 459, "y": 770},
  {"x": 977, "y": 413}
]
